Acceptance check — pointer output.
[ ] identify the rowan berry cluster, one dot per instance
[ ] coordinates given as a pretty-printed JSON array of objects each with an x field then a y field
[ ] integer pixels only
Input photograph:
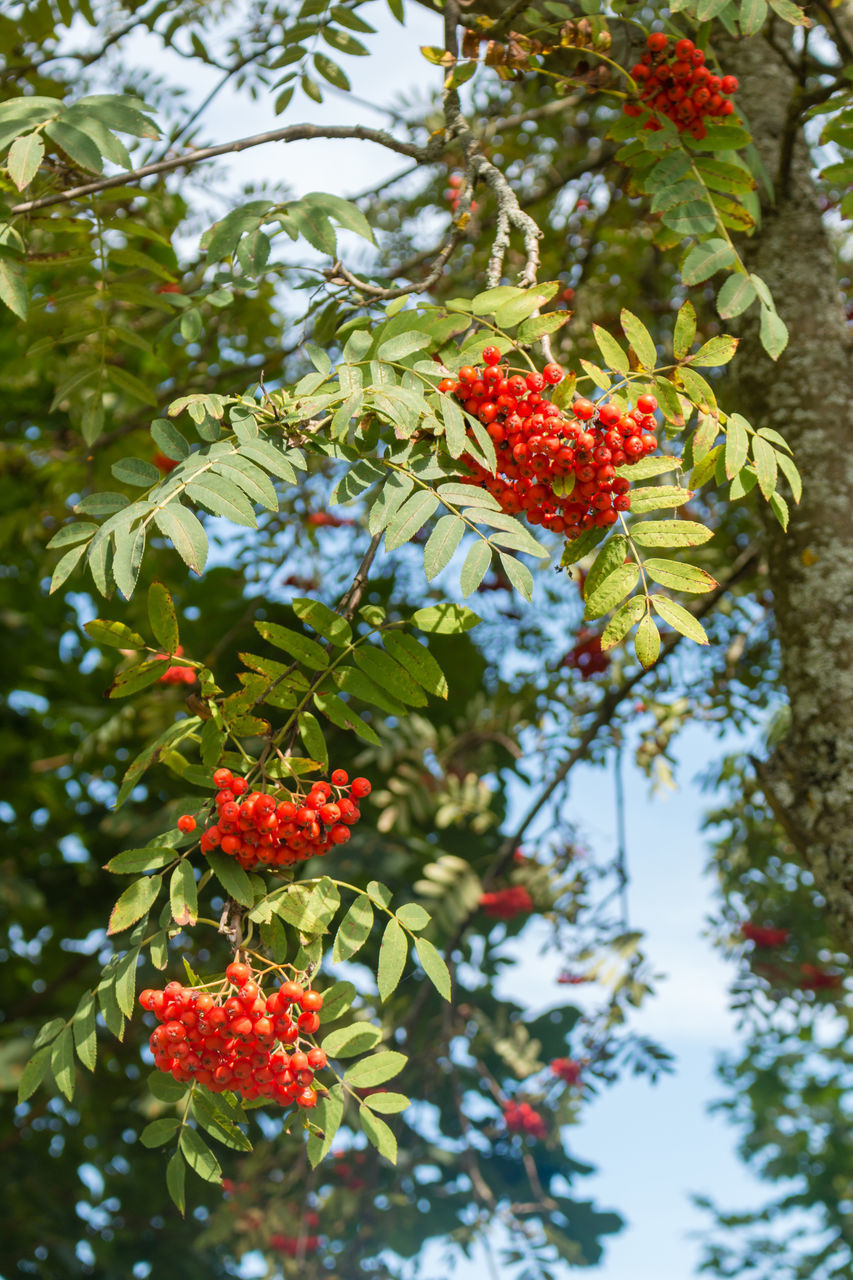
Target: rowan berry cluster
[
  {"x": 816, "y": 979},
  {"x": 237, "y": 1038},
  {"x": 558, "y": 467},
  {"x": 676, "y": 83},
  {"x": 587, "y": 656},
  {"x": 258, "y": 829},
  {"x": 763, "y": 937},
  {"x": 346, "y": 1167},
  {"x": 178, "y": 673},
  {"x": 453, "y": 194},
  {"x": 567, "y": 1070},
  {"x": 295, "y": 1246},
  {"x": 505, "y": 904},
  {"x": 520, "y": 1117}
]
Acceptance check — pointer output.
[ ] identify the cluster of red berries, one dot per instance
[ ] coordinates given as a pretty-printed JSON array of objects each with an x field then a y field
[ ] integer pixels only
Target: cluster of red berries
[
  {"x": 228, "y": 1040},
  {"x": 345, "y": 1169},
  {"x": 676, "y": 83},
  {"x": 453, "y": 194},
  {"x": 816, "y": 979},
  {"x": 505, "y": 904},
  {"x": 325, "y": 520},
  {"x": 179, "y": 673},
  {"x": 587, "y": 657},
  {"x": 558, "y": 467},
  {"x": 295, "y": 1246},
  {"x": 763, "y": 937},
  {"x": 567, "y": 1069},
  {"x": 257, "y": 829},
  {"x": 520, "y": 1117}
]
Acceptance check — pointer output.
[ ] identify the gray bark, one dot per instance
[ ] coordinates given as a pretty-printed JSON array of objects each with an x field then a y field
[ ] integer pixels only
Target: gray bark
[{"x": 807, "y": 396}]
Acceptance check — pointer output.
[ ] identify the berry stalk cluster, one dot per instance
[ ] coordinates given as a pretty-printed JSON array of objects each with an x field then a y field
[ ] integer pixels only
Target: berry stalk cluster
[
  {"x": 259, "y": 829},
  {"x": 676, "y": 83},
  {"x": 238, "y": 1038},
  {"x": 558, "y": 467}
]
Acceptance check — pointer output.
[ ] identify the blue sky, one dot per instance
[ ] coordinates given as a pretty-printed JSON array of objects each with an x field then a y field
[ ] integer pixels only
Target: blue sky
[{"x": 653, "y": 1145}]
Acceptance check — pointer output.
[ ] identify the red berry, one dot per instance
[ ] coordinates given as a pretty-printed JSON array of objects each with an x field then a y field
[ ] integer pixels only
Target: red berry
[
  {"x": 360, "y": 787},
  {"x": 491, "y": 355},
  {"x": 657, "y": 42},
  {"x": 340, "y": 778},
  {"x": 186, "y": 822},
  {"x": 238, "y": 973},
  {"x": 312, "y": 1001},
  {"x": 729, "y": 84},
  {"x": 646, "y": 404},
  {"x": 223, "y": 778},
  {"x": 552, "y": 373}
]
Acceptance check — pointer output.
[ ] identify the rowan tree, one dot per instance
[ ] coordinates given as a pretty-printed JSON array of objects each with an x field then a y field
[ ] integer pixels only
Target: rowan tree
[{"x": 346, "y": 525}]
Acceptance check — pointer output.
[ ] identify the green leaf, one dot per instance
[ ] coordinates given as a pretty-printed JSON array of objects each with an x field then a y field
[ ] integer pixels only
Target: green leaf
[
  {"x": 342, "y": 714},
  {"x": 114, "y": 634},
  {"x": 232, "y": 877},
  {"x": 183, "y": 894},
  {"x": 186, "y": 533},
  {"x": 387, "y": 672},
  {"x": 411, "y": 516},
  {"x": 442, "y": 544},
  {"x": 685, "y": 330},
  {"x": 671, "y": 533},
  {"x": 85, "y": 1031},
  {"x": 354, "y": 929},
  {"x": 222, "y": 498},
  {"x": 765, "y": 465},
  {"x": 752, "y": 16},
  {"x": 62, "y": 1062},
  {"x": 136, "y": 471},
  {"x": 162, "y": 617},
  {"x": 737, "y": 444},
  {"x": 323, "y": 620},
  {"x": 337, "y": 1000},
  {"x": 136, "y": 901},
  {"x": 609, "y": 558},
  {"x": 34, "y": 1073},
  {"x": 773, "y": 332},
  {"x": 387, "y": 1103},
  {"x": 328, "y": 1115},
  {"x": 306, "y": 651},
  {"x": 312, "y": 737},
  {"x": 413, "y": 916},
  {"x": 13, "y": 287},
  {"x": 658, "y": 497},
  {"x": 647, "y": 643},
  {"x": 716, "y": 351},
  {"x": 622, "y": 621},
  {"x": 70, "y": 560},
  {"x": 445, "y": 619},
  {"x": 392, "y": 958},
  {"x": 76, "y": 144},
  {"x": 199, "y": 1156},
  {"x": 379, "y": 1134},
  {"x": 210, "y": 1114},
  {"x": 706, "y": 259},
  {"x": 475, "y": 565},
  {"x": 645, "y": 468},
  {"x": 612, "y": 590},
  {"x": 25, "y": 155},
  {"x": 348, "y": 1042},
  {"x": 417, "y": 661},
  {"x": 581, "y": 546},
  {"x": 679, "y": 618},
  {"x": 679, "y": 576},
  {"x": 133, "y": 861},
  {"x": 791, "y": 474},
  {"x": 640, "y": 339},
  {"x": 159, "y": 1132},
  {"x": 433, "y": 965},
  {"x": 165, "y": 1088},
  {"x": 610, "y": 349},
  {"x": 137, "y": 677},
  {"x": 736, "y": 295},
  {"x": 376, "y": 1069},
  {"x": 78, "y": 532},
  {"x": 402, "y": 345},
  {"x": 176, "y": 1172}
]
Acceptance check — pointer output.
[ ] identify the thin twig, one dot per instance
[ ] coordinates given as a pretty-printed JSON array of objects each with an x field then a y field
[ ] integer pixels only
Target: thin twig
[
  {"x": 292, "y": 133},
  {"x": 350, "y": 602},
  {"x": 340, "y": 273}
]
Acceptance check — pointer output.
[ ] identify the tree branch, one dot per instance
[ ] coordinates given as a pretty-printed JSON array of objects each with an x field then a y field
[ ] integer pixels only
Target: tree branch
[
  {"x": 292, "y": 133},
  {"x": 339, "y": 273}
]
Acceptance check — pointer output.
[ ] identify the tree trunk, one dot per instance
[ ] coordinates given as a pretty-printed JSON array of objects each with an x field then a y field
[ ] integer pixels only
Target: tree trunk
[{"x": 807, "y": 396}]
